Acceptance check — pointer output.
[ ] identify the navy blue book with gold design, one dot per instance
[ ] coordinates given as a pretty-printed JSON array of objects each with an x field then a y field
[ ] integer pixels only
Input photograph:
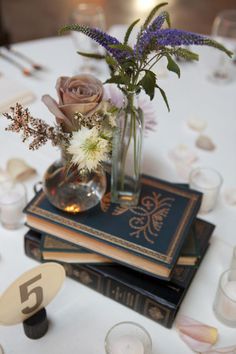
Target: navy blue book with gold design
[
  {"x": 154, "y": 298},
  {"x": 54, "y": 248},
  {"x": 148, "y": 237}
]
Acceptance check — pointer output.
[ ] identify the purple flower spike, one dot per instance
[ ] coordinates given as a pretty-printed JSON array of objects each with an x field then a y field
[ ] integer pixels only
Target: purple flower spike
[
  {"x": 158, "y": 22},
  {"x": 173, "y": 37},
  {"x": 168, "y": 37},
  {"x": 149, "y": 33},
  {"x": 102, "y": 38}
]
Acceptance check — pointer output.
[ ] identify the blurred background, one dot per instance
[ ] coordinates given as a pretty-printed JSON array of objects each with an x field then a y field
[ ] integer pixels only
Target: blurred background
[{"x": 31, "y": 19}]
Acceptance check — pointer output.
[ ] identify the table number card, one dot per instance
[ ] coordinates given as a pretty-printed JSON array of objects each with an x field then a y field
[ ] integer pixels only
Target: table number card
[{"x": 31, "y": 292}]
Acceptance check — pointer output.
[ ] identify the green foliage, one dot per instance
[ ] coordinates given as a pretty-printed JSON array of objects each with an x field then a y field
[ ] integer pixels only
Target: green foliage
[
  {"x": 186, "y": 54},
  {"x": 122, "y": 47},
  {"x": 118, "y": 79},
  {"x": 168, "y": 19},
  {"x": 67, "y": 28},
  {"x": 172, "y": 66},
  {"x": 110, "y": 60},
  {"x": 214, "y": 44},
  {"x": 153, "y": 13},
  {"x": 131, "y": 68},
  {"x": 148, "y": 83},
  {"x": 92, "y": 55},
  {"x": 163, "y": 96},
  {"x": 129, "y": 30}
]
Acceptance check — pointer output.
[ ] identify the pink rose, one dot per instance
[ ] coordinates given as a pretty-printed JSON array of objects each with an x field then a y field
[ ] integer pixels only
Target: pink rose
[{"x": 81, "y": 93}]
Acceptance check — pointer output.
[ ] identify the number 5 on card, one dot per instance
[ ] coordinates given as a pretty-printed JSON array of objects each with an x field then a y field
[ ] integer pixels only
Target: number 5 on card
[{"x": 29, "y": 293}]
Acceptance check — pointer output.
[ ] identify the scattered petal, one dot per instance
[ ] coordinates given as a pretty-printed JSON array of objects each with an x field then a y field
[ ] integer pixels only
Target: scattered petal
[
  {"x": 183, "y": 170},
  {"x": 230, "y": 196},
  {"x": 182, "y": 154},
  {"x": 205, "y": 143},
  {"x": 194, "y": 344},
  {"x": 3, "y": 176},
  {"x": 198, "y": 336},
  {"x": 226, "y": 350},
  {"x": 19, "y": 170},
  {"x": 197, "y": 124}
]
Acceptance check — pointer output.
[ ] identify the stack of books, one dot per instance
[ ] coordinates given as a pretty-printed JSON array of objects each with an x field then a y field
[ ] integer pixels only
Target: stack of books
[{"x": 144, "y": 257}]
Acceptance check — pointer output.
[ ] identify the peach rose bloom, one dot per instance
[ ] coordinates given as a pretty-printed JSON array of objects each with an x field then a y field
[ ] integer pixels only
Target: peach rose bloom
[{"x": 77, "y": 94}]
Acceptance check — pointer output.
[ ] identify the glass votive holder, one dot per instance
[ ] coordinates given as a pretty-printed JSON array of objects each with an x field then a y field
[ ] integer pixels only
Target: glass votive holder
[
  {"x": 12, "y": 202},
  {"x": 87, "y": 13},
  {"x": 128, "y": 338},
  {"x": 208, "y": 181},
  {"x": 225, "y": 301}
]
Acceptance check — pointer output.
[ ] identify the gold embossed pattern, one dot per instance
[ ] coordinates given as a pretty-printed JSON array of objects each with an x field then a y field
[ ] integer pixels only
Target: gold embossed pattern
[{"x": 149, "y": 216}]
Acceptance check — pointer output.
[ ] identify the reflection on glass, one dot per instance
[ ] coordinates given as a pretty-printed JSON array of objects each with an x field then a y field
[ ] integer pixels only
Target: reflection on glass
[
  {"x": 91, "y": 15},
  {"x": 128, "y": 338},
  {"x": 225, "y": 300},
  {"x": 12, "y": 202},
  {"x": 224, "y": 31},
  {"x": 207, "y": 181}
]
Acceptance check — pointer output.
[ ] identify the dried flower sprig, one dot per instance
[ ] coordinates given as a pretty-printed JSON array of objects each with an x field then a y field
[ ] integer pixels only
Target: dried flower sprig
[
  {"x": 104, "y": 117},
  {"x": 86, "y": 148},
  {"x": 39, "y": 131}
]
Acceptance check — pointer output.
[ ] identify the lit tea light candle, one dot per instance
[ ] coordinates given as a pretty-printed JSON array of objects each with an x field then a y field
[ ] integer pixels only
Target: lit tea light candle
[
  {"x": 12, "y": 202},
  {"x": 128, "y": 338},
  {"x": 127, "y": 345}
]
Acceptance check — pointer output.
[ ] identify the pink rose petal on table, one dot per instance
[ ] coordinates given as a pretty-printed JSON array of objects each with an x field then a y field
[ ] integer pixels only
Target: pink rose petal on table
[
  {"x": 230, "y": 196},
  {"x": 183, "y": 157},
  {"x": 183, "y": 154},
  {"x": 198, "y": 336},
  {"x": 225, "y": 350}
]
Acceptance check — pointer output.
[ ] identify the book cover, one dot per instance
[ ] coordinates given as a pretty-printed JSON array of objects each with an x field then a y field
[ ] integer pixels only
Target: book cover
[
  {"x": 57, "y": 249},
  {"x": 148, "y": 237},
  {"x": 154, "y": 298},
  {"x": 195, "y": 242}
]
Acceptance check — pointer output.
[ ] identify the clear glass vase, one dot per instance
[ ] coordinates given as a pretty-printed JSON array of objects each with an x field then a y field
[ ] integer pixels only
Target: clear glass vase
[
  {"x": 72, "y": 190},
  {"x": 127, "y": 154}
]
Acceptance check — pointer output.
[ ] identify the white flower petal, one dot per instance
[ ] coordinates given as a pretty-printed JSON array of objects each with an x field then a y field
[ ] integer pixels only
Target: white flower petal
[
  {"x": 88, "y": 149},
  {"x": 198, "y": 336}
]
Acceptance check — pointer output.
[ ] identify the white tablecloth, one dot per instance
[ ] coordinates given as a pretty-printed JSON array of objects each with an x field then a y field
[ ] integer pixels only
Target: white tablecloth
[{"x": 79, "y": 317}]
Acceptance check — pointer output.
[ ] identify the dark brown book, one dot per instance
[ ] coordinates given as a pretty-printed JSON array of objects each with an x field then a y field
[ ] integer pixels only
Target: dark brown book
[{"x": 154, "y": 298}]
